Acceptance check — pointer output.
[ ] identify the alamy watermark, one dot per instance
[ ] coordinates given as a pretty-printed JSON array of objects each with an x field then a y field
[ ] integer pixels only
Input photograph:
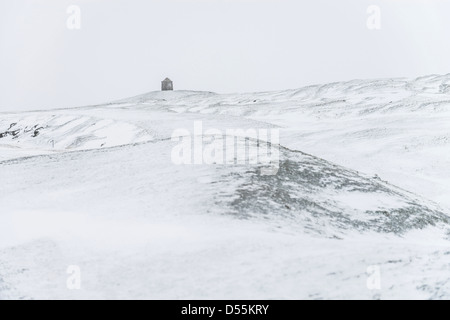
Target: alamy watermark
[
  {"x": 374, "y": 18},
  {"x": 373, "y": 277},
  {"x": 74, "y": 280},
  {"x": 259, "y": 147},
  {"x": 74, "y": 19}
]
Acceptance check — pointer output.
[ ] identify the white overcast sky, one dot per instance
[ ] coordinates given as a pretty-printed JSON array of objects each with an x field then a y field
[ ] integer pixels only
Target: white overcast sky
[{"x": 126, "y": 47}]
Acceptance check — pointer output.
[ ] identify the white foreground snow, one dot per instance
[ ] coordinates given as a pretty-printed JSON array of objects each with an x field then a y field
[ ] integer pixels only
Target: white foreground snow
[{"x": 96, "y": 188}]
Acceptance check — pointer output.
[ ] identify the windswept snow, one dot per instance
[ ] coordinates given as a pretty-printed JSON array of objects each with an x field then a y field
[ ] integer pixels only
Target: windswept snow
[
  {"x": 396, "y": 128},
  {"x": 362, "y": 183},
  {"x": 66, "y": 132}
]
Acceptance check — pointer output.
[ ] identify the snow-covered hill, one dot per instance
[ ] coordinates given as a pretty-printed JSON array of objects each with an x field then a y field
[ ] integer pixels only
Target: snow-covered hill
[
  {"x": 396, "y": 128},
  {"x": 362, "y": 183}
]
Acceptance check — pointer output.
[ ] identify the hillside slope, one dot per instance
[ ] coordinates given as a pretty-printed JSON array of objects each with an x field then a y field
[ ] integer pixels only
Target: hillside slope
[{"x": 96, "y": 187}]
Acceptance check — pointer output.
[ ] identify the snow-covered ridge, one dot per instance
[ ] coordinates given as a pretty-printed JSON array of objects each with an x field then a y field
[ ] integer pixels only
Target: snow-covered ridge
[
  {"x": 353, "y": 93},
  {"x": 325, "y": 199},
  {"x": 398, "y": 129},
  {"x": 66, "y": 132}
]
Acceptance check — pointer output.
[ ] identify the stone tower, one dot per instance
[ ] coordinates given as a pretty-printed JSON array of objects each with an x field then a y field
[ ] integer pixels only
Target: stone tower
[{"x": 166, "y": 85}]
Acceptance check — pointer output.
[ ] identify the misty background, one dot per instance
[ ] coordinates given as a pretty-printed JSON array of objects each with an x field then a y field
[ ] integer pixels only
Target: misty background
[{"x": 126, "y": 47}]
